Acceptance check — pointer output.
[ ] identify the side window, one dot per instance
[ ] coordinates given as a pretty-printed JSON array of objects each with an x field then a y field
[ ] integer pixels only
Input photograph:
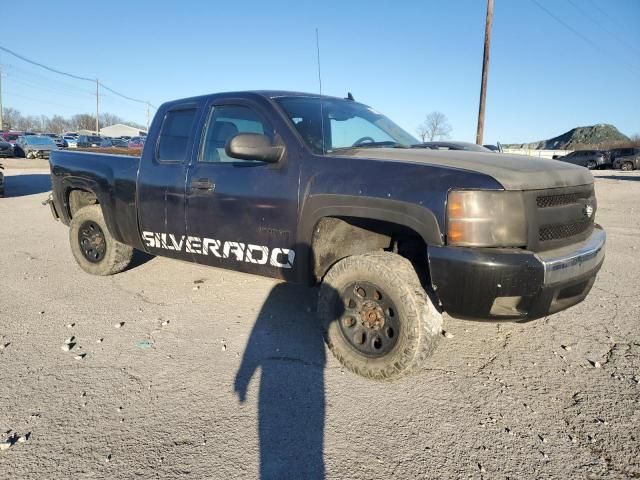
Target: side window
[
  {"x": 224, "y": 123},
  {"x": 174, "y": 135}
]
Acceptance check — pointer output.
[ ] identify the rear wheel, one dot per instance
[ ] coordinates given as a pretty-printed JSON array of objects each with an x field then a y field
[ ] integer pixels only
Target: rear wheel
[
  {"x": 93, "y": 247},
  {"x": 591, "y": 165},
  {"x": 379, "y": 322},
  {"x": 626, "y": 166}
]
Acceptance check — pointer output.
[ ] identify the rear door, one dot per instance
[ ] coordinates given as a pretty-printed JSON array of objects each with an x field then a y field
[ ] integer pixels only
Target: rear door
[
  {"x": 241, "y": 214},
  {"x": 161, "y": 183}
]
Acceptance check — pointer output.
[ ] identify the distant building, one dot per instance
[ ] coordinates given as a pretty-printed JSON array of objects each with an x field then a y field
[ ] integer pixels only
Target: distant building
[{"x": 120, "y": 130}]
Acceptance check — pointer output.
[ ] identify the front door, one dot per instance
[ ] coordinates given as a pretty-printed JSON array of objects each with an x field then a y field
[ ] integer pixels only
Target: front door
[{"x": 241, "y": 214}]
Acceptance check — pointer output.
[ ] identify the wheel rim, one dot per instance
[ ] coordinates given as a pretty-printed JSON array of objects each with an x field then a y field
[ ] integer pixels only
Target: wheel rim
[
  {"x": 92, "y": 241},
  {"x": 370, "y": 322}
]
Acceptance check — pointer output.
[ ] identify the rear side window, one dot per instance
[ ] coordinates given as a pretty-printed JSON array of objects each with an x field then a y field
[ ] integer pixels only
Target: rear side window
[{"x": 174, "y": 135}]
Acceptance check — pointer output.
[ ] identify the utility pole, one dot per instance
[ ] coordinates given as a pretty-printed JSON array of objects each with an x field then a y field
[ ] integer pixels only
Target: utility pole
[
  {"x": 147, "y": 117},
  {"x": 485, "y": 72},
  {"x": 1, "y": 119},
  {"x": 97, "y": 107}
]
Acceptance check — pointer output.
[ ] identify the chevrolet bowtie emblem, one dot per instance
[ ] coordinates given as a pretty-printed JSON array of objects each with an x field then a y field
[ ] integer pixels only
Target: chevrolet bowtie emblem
[{"x": 587, "y": 210}]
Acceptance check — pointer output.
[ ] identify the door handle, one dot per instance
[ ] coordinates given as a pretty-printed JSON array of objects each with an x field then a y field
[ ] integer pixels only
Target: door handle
[{"x": 203, "y": 184}]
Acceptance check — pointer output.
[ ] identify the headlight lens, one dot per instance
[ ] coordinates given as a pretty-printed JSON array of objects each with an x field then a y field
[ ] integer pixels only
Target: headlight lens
[{"x": 485, "y": 218}]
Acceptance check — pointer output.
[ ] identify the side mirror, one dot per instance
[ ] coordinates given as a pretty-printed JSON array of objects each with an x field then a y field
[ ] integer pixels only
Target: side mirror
[{"x": 253, "y": 146}]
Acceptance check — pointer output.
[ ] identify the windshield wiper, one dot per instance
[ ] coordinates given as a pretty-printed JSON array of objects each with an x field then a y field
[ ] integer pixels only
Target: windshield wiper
[{"x": 385, "y": 144}]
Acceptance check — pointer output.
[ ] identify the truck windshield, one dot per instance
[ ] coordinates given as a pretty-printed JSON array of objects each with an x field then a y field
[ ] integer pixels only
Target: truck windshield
[{"x": 330, "y": 124}]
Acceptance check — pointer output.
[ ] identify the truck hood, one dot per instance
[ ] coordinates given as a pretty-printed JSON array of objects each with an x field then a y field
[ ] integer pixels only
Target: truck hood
[{"x": 513, "y": 172}]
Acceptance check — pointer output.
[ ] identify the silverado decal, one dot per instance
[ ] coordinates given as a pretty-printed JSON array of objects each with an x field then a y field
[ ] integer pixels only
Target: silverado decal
[{"x": 279, "y": 257}]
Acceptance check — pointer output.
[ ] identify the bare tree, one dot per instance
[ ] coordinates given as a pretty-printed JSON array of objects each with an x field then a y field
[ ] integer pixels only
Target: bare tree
[
  {"x": 57, "y": 124},
  {"x": 83, "y": 121},
  {"x": 422, "y": 132},
  {"x": 435, "y": 126},
  {"x": 14, "y": 120},
  {"x": 107, "y": 119},
  {"x": 10, "y": 117}
]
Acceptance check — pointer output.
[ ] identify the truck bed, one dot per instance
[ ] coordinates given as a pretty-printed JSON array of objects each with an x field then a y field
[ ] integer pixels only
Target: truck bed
[{"x": 112, "y": 178}]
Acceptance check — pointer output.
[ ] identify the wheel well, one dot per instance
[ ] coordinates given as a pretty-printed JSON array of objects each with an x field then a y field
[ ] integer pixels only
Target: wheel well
[
  {"x": 335, "y": 238},
  {"x": 78, "y": 198}
]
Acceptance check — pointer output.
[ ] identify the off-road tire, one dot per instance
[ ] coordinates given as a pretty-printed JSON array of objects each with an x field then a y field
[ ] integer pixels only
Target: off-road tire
[
  {"x": 117, "y": 256},
  {"x": 420, "y": 321},
  {"x": 626, "y": 166}
]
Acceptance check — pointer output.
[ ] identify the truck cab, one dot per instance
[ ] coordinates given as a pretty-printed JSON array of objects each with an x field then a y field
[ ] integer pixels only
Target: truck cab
[{"x": 327, "y": 191}]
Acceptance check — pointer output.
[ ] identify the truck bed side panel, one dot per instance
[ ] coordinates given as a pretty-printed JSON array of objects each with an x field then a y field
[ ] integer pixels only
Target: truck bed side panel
[{"x": 112, "y": 178}]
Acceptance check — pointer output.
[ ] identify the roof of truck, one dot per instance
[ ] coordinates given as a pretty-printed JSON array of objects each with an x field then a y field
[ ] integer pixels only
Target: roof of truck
[{"x": 245, "y": 93}]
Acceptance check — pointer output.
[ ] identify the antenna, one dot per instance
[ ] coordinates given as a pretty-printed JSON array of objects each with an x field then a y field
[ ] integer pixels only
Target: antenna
[
  {"x": 320, "y": 84},
  {"x": 318, "y": 56}
]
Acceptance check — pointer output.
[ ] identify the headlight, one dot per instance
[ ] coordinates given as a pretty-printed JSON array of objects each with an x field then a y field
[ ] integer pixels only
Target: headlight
[{"x": 485, "y": 218}]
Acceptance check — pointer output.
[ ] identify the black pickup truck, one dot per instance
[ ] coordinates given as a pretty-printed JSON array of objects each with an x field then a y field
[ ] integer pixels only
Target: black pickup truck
[{"x": 324, "y": 190}]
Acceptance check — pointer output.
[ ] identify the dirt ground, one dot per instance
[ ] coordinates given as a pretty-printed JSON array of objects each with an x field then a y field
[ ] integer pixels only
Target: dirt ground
[{"x": 160, "y": 396}]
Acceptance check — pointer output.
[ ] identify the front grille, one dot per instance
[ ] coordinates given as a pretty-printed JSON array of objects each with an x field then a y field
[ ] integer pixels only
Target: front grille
[
  {"x": 556, "y": 232},
  {"x": 545, "y": 201}
]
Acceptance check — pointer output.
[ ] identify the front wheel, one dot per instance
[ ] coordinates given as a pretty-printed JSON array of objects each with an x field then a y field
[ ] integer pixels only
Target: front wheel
[
  {"x": 591, "y": 165},
  {"x": 626, "y": 166},
  {"x": 379, "y": 322},
  {"x": 93, "y": 247}
]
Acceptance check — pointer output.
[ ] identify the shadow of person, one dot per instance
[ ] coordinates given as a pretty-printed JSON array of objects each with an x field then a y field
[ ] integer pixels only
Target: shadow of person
[{"x": 287, "y": 345}]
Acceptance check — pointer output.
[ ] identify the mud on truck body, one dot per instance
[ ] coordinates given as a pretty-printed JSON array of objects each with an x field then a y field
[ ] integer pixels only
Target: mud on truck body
[{"x": 324, "y": 190}]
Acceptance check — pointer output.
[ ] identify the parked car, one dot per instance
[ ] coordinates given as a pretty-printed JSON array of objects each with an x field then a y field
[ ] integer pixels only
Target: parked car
[
  {"x": 136, "y": 142},
  {"x": 70, "y": 141},
  {"x": 106, "y": 143},
  {"x": 627, "y": 160},
  {"x": 591, "y": 159},
  {"x": 34, "y": 146},
  {"x": 1, "y": 181},
  {"x": 89, "y": 141},
  {"x": 11, "y": 137},
  {"x": 311, "y": 189},
  {"x": 494, "y": 148},
  {"x": 59, "y": 141},
  {"x": 120, "y": 142},
  {"x": 6, "y": 149},
  {"x": 453, "y": 145}
]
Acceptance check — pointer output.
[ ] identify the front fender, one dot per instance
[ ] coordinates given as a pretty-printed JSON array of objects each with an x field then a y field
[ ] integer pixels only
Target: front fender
[{"x": 416, "y": 217}]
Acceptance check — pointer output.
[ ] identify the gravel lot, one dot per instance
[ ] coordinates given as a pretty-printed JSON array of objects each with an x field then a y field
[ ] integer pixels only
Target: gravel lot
[{"x": 157, "y": 397}]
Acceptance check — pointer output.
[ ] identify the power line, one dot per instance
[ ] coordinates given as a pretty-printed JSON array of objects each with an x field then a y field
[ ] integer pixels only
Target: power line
[
  {"x": 31, "y": 75},
  {"x": 611, "y": 19},
  {"x": 606, "y": 30},
  {"x": 583, "y": 37},
  {"x": 36, "y": 99},
  {"x": 71, "y": 75},
  {"x": 33, "y": 62},
  {"x": 42, "y": 87}
]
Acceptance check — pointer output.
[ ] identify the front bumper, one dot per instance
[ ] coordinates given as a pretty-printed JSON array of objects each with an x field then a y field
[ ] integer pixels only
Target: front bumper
[{"x": 510, "y": 284}]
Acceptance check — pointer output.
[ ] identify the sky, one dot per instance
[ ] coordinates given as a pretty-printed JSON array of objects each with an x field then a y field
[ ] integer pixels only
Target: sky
[{"x": 576, "y": 64}]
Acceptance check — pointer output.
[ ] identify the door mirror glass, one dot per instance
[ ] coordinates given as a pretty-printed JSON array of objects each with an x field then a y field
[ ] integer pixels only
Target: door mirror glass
[{"x": 253, "y": 146}]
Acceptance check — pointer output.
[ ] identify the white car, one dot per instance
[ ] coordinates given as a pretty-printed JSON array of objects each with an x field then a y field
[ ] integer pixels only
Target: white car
[{"x": 71, "y": 141}]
